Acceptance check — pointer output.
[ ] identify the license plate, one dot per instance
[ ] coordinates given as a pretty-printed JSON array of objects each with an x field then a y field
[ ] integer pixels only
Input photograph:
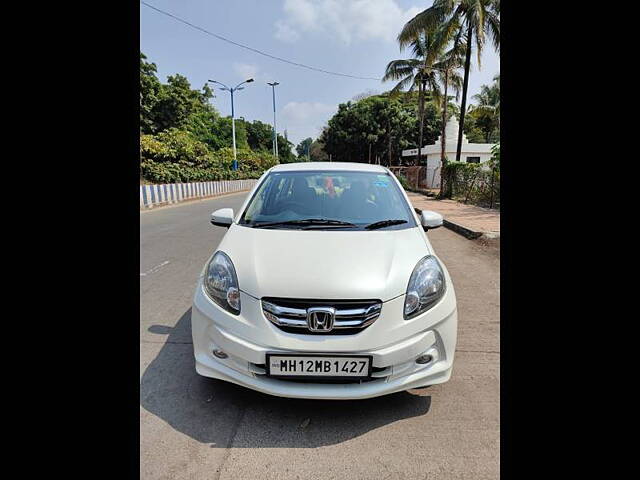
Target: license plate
[{"x": 318, "y": 366}]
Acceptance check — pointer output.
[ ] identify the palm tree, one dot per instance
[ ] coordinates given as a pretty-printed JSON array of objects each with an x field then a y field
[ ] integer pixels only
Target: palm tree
[
  {"x": 489, "y": 96},
  {"x": 414, "y": 73},
  {"x": 488, "y": 104},
  {"x": 475, "y": 17},
  {"x": 450, "y": 62}
]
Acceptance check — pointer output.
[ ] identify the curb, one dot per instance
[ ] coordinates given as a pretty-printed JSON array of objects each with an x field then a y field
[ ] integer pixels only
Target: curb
[
  {"x": 426, "y": 193},
  {"x": 464, "y": 231}
]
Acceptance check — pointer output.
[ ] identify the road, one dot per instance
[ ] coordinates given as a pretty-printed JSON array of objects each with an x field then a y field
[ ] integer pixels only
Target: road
[{"x": 197, "y": 428}]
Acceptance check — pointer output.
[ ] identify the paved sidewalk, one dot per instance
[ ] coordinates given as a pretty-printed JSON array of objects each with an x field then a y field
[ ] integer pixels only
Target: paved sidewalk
[{"x": 473, "y": 220}]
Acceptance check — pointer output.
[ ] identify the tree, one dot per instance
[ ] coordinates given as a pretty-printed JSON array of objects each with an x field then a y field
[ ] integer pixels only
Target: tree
[
  {"x": 489, "y": 96},
  {"x": 377, "y": 126},
  {"x": 184, "y": 137},
  {"x": 222, "y": 134},
  {"x": 482, "y": 125},
  {"x": 483, "y": 118},
  {"x": 449, "y": 62},
  {"x": 415, "y": 72},
  {"x": 487, "y": 110},
  {"x": 317, "y": 152},
  {"x": 472, "y": 130},
  {"x": 177, "y": 101},
  {"x": 259, "y": 136},
  {"x": 149, "y": 93},
  {"x": 361, "y": 96},
  {"x": 475, "y": 17},
  {"x": 303, "y": 149},
  {"x": 285, "y": 155},
  {"x": 203, "y": 125}
]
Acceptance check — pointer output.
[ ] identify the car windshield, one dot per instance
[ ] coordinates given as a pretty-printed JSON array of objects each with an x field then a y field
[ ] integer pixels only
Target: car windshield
[{"x": 336, "y": 200}]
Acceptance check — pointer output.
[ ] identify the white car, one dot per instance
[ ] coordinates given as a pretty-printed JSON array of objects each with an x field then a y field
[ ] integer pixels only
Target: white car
[{"x": 325, "y": 287}]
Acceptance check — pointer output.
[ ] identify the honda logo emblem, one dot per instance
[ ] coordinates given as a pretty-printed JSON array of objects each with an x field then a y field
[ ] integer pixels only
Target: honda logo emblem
[{"x": 320, "y": 319}]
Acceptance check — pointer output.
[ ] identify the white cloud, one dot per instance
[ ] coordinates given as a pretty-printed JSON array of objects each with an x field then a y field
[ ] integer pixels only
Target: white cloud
[
  {"x": 285, "y": 33},
  {"x": 245, "y": 70},
  {"x": 305, "y": 119},
  {"x": 344, "y": 20}
]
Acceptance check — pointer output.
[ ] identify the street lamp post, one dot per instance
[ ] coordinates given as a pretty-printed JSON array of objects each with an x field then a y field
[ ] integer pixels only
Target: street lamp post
[
  {"x": 233, "y": 119},
  {"x": 275, "y": 132}
]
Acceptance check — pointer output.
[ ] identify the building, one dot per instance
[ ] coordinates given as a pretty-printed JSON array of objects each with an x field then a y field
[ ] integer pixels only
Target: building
[{"x": 470, "y": 152}]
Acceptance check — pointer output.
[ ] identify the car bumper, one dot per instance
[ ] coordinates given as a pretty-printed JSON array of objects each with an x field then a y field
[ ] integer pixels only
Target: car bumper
[{"x": 393, "y": 343}]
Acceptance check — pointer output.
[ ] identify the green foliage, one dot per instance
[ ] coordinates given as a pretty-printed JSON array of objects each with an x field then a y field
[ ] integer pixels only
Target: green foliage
[
  {"x": 386, "y": 123},
  {"x": 285, "y": 155},
  {"x": 259, "y": 135},
  {"x": 494, "y": 162},
  {"x": 469, "y": 22},
  {"x": 471, "y": 129},
  {"x": 176, "y": 156},
  {"x": 304, "y": 148},
  {"x": 482, "y": 121},
  {"x": 485, "y": 122},
  {"x": 183, "y": 138},
  {"x": 149, "y": 93},
  {"x": 404, "y": 182},
  {"x": 317, "y": 152},
  {"x": 473, "y": 183},
  {"x": 485, "y": 115},
  {"x": 205, "y": 125}
]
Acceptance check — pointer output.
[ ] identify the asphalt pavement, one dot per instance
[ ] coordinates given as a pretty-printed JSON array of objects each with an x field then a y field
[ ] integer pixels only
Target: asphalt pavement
[{"x": 197, "y": 428}]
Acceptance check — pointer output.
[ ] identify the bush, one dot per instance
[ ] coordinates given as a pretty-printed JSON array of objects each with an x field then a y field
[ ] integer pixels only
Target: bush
[
  {"x": 494, "y": 162},
  {"x": 473, "y": 183},
  {"x": 404, "y": 182},
  {"x": 176, "y": 156}
]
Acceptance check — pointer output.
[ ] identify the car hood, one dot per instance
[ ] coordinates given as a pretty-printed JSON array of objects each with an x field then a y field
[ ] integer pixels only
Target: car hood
[{"x": 324, "y": 264}]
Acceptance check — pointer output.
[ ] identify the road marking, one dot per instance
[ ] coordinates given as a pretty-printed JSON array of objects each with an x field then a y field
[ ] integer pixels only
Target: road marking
[{"x": 154, "y": 269}]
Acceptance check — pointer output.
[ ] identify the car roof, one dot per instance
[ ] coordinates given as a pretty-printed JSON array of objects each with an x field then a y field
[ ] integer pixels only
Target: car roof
[{"x": 329, "y": 166}]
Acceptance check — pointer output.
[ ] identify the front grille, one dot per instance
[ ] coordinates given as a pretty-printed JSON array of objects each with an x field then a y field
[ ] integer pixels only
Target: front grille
[{"x": 351, "y": 316}]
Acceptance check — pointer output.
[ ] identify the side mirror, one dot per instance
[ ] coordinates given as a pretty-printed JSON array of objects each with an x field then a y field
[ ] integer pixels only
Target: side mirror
[
  {"x": 430, "y": 220},
  {"x": 222, "y": 217}
]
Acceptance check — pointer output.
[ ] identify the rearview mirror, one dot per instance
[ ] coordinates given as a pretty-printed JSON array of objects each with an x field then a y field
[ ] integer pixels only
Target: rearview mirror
[
  {"x": 430, "y": 220},
  {"x": 222, "y": 217}
]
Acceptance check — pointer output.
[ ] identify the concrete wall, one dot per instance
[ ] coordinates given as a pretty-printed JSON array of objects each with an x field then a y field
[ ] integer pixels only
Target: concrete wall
[
  {"x": 482, "y": 150},
  {"x": 165, "y": 194}
]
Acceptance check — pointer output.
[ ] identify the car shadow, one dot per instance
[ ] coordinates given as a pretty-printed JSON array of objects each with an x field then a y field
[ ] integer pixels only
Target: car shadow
[{"x": 223, "y": 414}]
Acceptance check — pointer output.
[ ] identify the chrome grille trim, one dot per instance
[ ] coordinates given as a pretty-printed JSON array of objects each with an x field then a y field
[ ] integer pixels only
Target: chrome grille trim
[
  {"x": 354, "y": 318},
  {"x": 278, "y": 310}
]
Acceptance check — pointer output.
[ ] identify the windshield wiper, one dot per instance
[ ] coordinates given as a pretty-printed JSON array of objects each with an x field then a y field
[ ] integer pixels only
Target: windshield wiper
[
  {"x": 384, "y": 223},
  {"x": 311, "y": 222}
]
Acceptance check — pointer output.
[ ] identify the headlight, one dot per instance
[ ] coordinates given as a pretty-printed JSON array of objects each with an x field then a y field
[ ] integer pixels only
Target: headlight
[
  {"x": 221, "y": 283},
  {"x": 426, "y": 287}
]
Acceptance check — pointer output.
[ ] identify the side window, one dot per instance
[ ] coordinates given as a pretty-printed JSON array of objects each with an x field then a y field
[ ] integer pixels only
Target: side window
[{"x": 473, "y": 159}]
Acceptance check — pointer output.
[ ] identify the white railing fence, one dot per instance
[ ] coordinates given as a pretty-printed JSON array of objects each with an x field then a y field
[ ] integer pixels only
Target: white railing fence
[{"x": 154, "y": 195}]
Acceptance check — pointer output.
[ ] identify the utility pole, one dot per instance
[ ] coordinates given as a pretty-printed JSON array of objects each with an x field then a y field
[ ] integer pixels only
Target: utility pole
[
  {"x": 233, "y": 134},
  {"x": 233, "y": 119},
  {"x": 275, "y": 133}
]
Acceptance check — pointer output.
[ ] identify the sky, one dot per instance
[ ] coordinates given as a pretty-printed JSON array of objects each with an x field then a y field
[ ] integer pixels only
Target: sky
[{"x": 355, "y": 37}]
